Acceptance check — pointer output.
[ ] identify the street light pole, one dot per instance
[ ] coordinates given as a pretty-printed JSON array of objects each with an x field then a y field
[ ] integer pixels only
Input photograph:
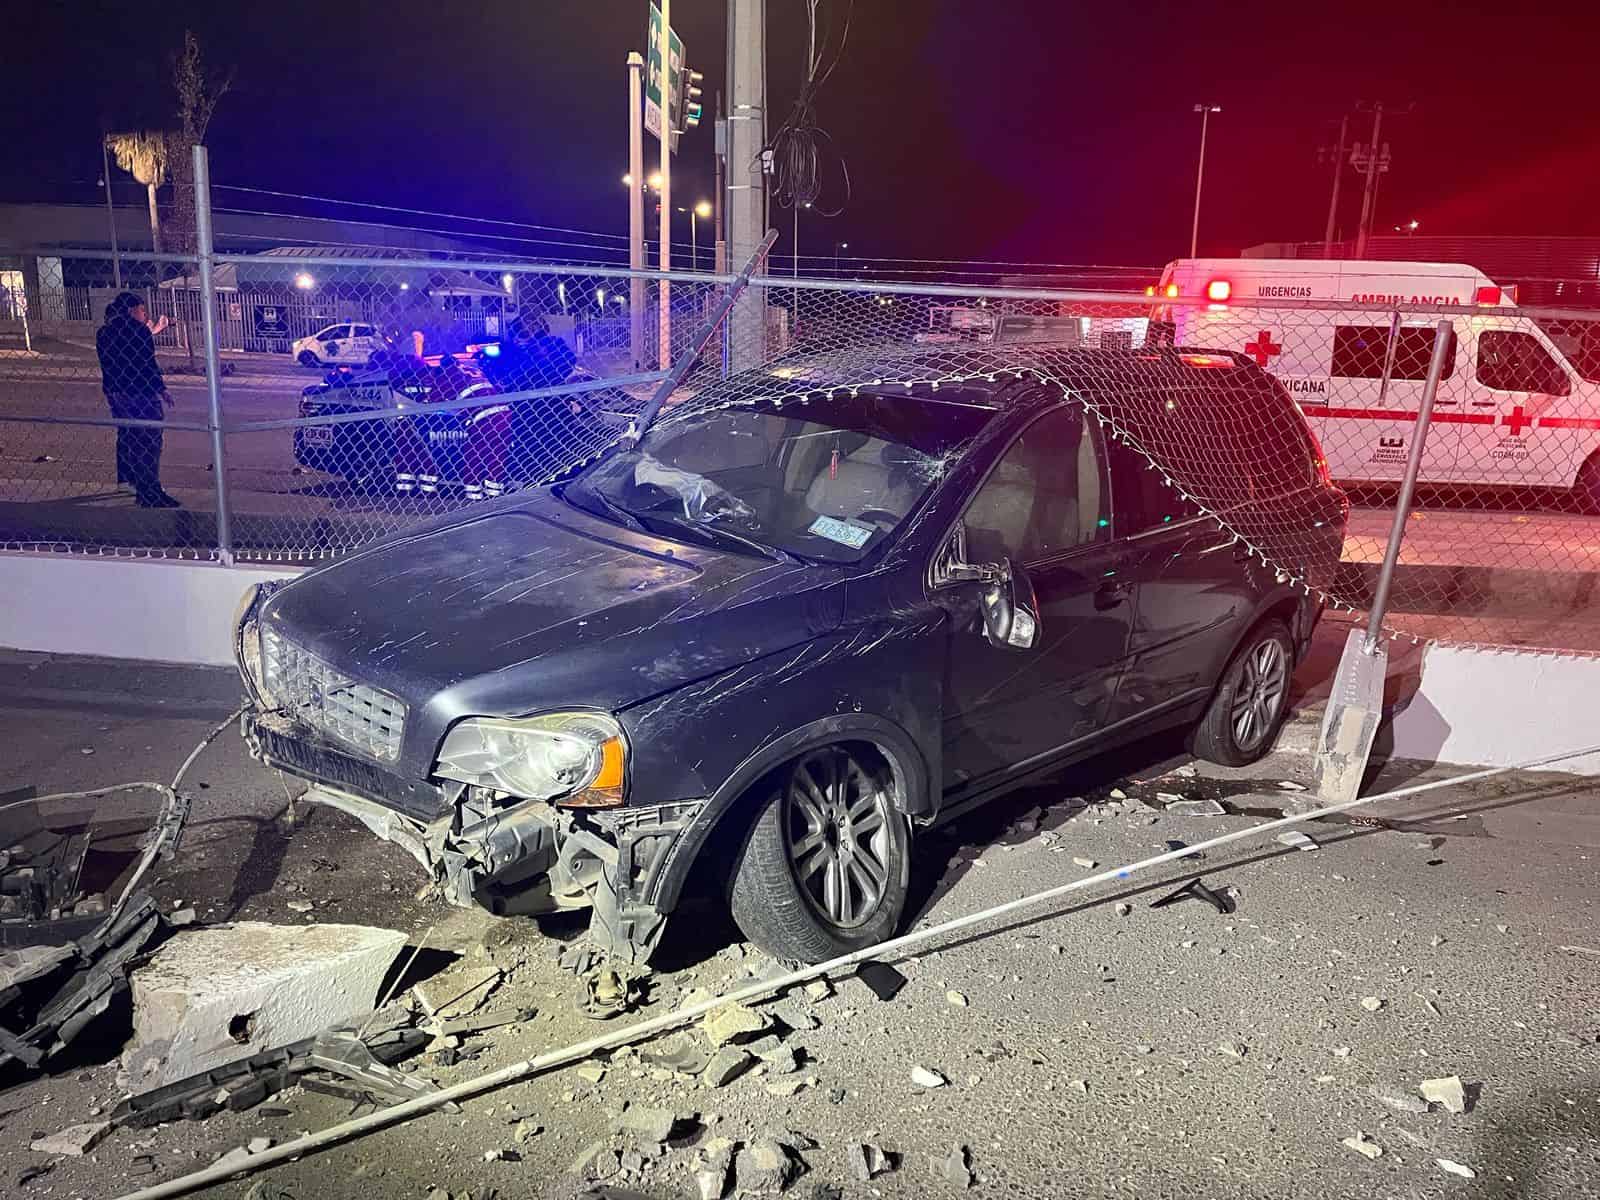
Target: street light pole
[
  {"x": 838, "y": 246},
  {"x": 664, "y": 290},
  {"x": 635, "y": 181},
  {"x": 111, "y": 212},
  {"x": 1205, "y": 111}
]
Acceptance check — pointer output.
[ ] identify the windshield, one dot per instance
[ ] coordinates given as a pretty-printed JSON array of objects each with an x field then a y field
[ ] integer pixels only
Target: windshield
[{"x": 830, "y": 478}]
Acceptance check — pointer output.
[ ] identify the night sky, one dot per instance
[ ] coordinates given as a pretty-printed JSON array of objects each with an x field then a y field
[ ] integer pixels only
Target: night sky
[{"x": 1036, "y": 130}]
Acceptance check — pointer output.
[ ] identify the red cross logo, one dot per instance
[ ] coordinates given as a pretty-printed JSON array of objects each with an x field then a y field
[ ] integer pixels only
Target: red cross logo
[
  {"x": 1263, "y": 348},
  {"x": 1517, "y": 419}
]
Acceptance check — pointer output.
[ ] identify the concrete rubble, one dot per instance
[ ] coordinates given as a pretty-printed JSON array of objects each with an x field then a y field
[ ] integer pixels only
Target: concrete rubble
[
  {"x": 456, "y": 992},
  {"x": 1362, "y": 1145},
  {"x": 955, "y": 1168},
  {"x": 74, "y": 1141},
  {"x": 1447, "y": 1091},
  {"x": 866, "y": 1160},
  {"x": 731, "y": 1022},
  {"x": 215, "y": 995}
]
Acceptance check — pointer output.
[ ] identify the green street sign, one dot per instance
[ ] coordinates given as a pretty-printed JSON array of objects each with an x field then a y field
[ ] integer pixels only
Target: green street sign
[{"x": 653, "y": 106}]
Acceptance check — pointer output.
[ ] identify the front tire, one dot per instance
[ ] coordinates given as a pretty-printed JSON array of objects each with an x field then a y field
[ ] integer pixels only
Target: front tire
[
  {"x": 1251, "y": 700},
  {"x": 824, "y": 869}
]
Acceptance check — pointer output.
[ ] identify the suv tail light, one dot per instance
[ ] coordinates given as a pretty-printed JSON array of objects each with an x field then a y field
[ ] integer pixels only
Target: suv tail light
[{"x": 1319, "y": 460}]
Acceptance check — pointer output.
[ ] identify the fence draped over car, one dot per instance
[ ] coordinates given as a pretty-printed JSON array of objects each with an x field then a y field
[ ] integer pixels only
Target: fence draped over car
[{"x": 361, "y": 394}]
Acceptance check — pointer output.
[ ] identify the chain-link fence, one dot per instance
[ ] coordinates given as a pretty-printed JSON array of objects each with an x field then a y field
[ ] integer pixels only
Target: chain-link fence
[{"x": 360, "y": 392}]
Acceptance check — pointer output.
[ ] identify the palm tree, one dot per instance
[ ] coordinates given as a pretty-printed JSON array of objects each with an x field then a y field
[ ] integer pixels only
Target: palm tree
[{"x": 143, "y": 154}]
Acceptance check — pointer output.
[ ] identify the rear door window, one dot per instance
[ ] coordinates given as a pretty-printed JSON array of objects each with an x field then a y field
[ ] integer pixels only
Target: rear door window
[
  {"x": 1141, "y": 496},
  {"x": 1509, "y": 361},
  {"x": 1359, "y": 352}
]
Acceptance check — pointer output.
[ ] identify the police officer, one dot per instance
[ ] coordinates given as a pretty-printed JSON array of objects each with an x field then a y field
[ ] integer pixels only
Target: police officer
[{"x": 132, "y": 383}]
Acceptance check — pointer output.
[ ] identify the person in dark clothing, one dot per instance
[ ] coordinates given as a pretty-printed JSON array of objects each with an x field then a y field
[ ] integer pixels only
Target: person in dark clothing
[{"x": 132, "y": 383}]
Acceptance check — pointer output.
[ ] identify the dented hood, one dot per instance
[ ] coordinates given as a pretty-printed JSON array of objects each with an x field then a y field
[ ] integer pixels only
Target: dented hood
[{"x": 540, "y": 604}]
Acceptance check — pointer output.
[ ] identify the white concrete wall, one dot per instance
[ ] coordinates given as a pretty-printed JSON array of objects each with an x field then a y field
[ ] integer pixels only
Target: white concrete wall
[
  {"x": 1487, "y": 708},
  {"x": 153, "y": 609}
]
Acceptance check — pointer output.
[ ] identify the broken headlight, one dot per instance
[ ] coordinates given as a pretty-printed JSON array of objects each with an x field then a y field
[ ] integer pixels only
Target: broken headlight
[{"x": 575, "y": 758}]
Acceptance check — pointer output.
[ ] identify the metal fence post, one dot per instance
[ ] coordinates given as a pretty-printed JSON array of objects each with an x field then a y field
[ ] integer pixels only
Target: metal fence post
[
  {"x": 1408, "y": 486},
  {"x": 208, "y": 301}
]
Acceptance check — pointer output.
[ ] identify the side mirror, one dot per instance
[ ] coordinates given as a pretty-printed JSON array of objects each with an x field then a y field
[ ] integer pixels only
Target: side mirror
[{"x": 1010, "y": 609}]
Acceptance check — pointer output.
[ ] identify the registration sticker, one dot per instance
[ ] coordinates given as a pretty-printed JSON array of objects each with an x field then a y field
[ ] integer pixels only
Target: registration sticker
[{"x": 846, "y": 533}]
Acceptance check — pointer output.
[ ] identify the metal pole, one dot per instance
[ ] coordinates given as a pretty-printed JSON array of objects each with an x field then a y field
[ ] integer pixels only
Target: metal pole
[
  {"x": 111, "y": 213},
  {"x": 1369, "y": 192},
  {"x": 720, "y": 258},
  {"x": 1205, "y": 111},
  {"x": 1402, "y": 507},
  {"x": 746, "y": 221},
  {"x": 694, "y": 240},
  {"x": 208, "y": 300},
  {"x": 1338, "y": 175},
  {"x": 665, "y": 286},
  {"x": 636, "y": 185}
]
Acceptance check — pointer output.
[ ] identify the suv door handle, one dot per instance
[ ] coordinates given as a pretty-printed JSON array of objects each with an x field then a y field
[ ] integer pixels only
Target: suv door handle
[{"x": 1110, "y": 594}]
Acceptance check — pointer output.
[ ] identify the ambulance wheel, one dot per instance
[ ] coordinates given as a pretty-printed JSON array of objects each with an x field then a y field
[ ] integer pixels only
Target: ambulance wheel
[{"x": 1586, "y": 488}]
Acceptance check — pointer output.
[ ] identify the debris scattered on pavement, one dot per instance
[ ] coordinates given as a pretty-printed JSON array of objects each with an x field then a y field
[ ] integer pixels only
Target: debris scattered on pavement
[
  {"x": 956, "y": 998},
  {"x": 651, "y": 1124},
  {"x": 726, "y": 1065},
  {"x": 1088, "y": 864},
  {"x": 1289, "y": 785},
  {"x": 1362, "y": 1145},
  {"x": 1296, "y": 840},
  {"x": 1196, "y": 889},
  {"x": 954, "y": 1168},
  {"x": 1123, "y": 910},
  {"x": 731, "y": 1022},
  {"x": 1173, "y": 844},
  {"x": 817, "y": 989},
  {"x": 461, "y": 990},
  {"x": 1590, "y": 950},
  {"x": 1447, "y": 1091},
  {"x": 867, "y": 1160},
  {"x": 883, "y": 979},
  {"x": 74, "y": 1141},
  {"x": 1399, "y": 1100},
  {"x": 1234, "y": 1049},
  {"x": 765, "y": 1167},
  {"x": 300, "y": 906},
  {"x": 1178, "y": 806},
  {"x": 1456, "y": 1168},
  {"x": 1371, "y": 1003},
  {"x": 679, "y": 1052},
  {"x": 924, "y": 1077}
]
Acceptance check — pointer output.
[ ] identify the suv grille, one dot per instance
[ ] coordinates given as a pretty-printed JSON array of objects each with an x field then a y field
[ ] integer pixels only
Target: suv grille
[{"x": 367, "y": 719}]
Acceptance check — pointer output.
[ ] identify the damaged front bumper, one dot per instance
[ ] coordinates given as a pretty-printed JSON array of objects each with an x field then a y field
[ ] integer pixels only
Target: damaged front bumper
[{"x": 509, "y": 857}]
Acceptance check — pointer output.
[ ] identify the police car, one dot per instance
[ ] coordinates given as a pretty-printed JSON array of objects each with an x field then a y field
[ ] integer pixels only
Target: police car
[
  {"x": 1511, "y": 409},
  {"x": 345, "y": 342}
]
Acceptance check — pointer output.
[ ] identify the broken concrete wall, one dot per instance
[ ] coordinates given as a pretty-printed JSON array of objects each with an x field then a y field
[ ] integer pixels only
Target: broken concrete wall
[{"x": 215, "y": 995}]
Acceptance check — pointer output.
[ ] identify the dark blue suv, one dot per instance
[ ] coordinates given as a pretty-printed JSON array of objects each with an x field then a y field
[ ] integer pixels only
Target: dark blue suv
[{"x": 777, "y": 637}]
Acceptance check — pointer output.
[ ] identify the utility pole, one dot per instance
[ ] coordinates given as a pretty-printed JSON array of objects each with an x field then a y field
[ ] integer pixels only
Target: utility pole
[
  {"x": 665, "y": 356},
  {"x": 746, "y": 186},
  {"x": 1376, "y": 163},
  {"x": 1338, "y": 175},
  {"x": 720, "y": 261},
  {"x": 636, "y": 185},
  {"x": 111, "y": 212},
  {"x": 1205, "y": 111}
]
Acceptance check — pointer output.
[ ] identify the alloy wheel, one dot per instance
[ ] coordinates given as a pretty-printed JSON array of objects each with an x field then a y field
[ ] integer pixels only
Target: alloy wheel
[
  {"x": 1263, "y": 686},
  {"x": 836, "y": 832}
]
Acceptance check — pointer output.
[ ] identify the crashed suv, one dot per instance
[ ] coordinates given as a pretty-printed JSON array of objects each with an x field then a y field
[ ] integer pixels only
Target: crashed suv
[{"x": 786, "y": 630}]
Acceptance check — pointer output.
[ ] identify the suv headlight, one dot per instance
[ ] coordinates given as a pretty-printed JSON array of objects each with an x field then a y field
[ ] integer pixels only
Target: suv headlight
[{"x": 575, "y": 758}]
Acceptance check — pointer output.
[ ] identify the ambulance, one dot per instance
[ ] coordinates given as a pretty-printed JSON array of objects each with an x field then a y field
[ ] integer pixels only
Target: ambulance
[{"x": 1511, "y": 409}]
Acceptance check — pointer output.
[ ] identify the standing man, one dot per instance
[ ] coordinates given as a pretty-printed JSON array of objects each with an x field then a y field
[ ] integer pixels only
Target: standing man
[{"x": 131, "y": 380}]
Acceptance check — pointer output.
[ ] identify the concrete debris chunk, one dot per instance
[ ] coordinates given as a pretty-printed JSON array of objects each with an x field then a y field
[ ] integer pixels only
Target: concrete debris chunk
[
  {"x": 1455, "y": 1168},
  {"x": 591, "y": 1072},
  {"x": 213, "y": 995},
  {"x": 797, "y": 1017},
  {"x": 1179, "y": 807},
  {"x": 787, "y": 1087},
  {"x": 709, "y": 1168},
  {"x": 1296, "y": 840},
  {"x": 1233, "y": 1049},
  {"x": 954, "y": 1168},
  {"x": 763, "y": 1168},
  {"x": 924, "y": 1077},
  {"x": 732, "y": 1021},
  {"x": 780, "y": 1060},
  {"x": 956, "y": 998},
  {"x": 1447, "y": 1091},
  {"x": 1123, "y": 910},
  {"x": 74, "y": 1141},
  {"x": 725, "y": 1066},
  {"x": 818, "y": 989},
  {"x": 300, "y": 906},
  {"x": 438, "y": 1193},
  {"x": 1371, "y": 1003},
  {"x": 1087, "y": 864},
  {"x": 456, "y": 992},
  {"x": 1289, "y": 785},
  {"x": 597, "y": 1159},
  {"x": 680, "y": 1052},
  {"x": 650, "y": 1124},
  {"x": 1362, "y": 1145},
  {"x": 1399, "y": 1100},
  {"x": 182, "y": 917},
  {"x": 867, "y": 1160}
]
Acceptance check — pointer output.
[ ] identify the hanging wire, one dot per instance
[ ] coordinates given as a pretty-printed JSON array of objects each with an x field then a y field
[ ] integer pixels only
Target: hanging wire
[{"x": 800, "y": 146}]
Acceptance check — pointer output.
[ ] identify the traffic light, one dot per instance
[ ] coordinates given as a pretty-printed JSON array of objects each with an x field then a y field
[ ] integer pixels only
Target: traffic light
[{"x": 686, "y": 108}]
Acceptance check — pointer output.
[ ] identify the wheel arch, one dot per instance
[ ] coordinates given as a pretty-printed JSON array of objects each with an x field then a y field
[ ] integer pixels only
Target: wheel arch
[
  {"x": 907, "y": 766},
  {"x": 1282, "y": 604}
]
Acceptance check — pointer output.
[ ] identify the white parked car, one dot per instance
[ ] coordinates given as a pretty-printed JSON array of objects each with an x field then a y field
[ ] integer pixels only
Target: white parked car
[{"x": 346, "y": 342}]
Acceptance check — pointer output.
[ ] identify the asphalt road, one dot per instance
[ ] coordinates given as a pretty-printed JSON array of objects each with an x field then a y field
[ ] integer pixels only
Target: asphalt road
[{"x": 1165, "y": 1052}]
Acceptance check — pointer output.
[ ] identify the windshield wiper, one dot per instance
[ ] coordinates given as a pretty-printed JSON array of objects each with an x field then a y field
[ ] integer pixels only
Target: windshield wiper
[
  {"x": 715, "y": 532},
  {"x": 623, "y": 515}
]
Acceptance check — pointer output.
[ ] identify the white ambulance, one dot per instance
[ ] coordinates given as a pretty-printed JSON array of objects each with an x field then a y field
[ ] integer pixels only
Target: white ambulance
[{"x": 1511, "y": 409}]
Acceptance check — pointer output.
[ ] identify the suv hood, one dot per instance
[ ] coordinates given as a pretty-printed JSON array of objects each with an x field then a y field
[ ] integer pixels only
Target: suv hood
[{"x": 539, "y": 604}]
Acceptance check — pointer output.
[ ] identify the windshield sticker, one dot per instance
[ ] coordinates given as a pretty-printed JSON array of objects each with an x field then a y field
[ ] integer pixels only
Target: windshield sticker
[{"x": 846, "y": 533}]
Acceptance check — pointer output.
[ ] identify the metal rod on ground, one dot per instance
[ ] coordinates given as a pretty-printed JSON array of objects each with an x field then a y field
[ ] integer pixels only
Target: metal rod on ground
[
  {"x": 1408, "y": 486},
  {"x": 631, "y": 1033},
  {"x": 208, "y": 304},
  {"x": 687, "y": 359}
]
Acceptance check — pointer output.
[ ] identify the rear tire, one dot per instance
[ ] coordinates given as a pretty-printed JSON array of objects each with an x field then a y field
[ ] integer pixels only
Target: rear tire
[
  {"x": 1251, "y": 699},
  {"x": 1586, "y": 488},
  {"x": 824, "y": 868}
]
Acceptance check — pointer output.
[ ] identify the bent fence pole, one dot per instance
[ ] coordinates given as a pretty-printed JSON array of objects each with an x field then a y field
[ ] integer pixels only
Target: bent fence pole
[{"x": 208, "y": 315}]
